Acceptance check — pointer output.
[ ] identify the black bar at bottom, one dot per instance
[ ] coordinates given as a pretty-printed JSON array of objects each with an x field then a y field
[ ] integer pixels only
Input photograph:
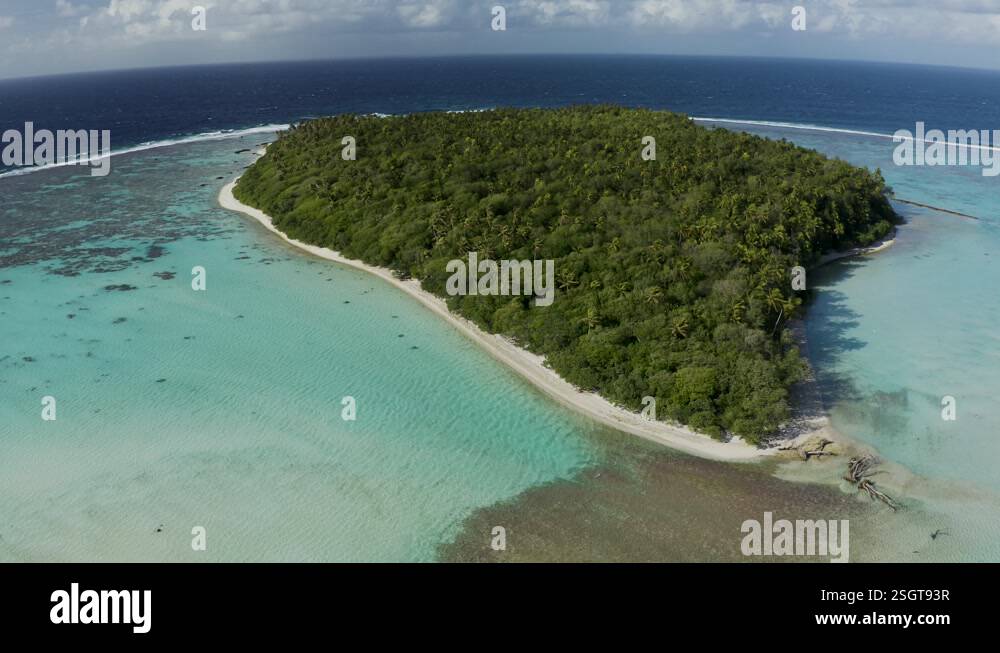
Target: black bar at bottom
[{"x": 243, "y": 603}]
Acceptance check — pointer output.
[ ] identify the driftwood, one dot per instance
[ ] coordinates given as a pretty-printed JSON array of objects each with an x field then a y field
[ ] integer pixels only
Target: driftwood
[
  {"x": 818, "y": 449},
  {"x": 859, "y": 471}
]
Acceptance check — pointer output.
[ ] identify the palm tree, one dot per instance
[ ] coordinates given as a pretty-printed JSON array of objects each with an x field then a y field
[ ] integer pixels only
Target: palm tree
[
  {"x": 566, "y": 280},
  {"x": 777, "y": 302},
  {"x": 591, "y": 319},
  {"x": 683, "y": 267},
  {"x": 537, "y": 245},
  {"x": 736, "y": 311}
]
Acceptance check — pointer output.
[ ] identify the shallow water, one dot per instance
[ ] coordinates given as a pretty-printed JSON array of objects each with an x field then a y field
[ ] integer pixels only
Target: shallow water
[{"x": 222, "y": 408}]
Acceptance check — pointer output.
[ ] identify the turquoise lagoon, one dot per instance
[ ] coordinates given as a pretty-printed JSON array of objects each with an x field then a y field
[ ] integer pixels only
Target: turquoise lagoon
[{"x": 222, "y": 408}]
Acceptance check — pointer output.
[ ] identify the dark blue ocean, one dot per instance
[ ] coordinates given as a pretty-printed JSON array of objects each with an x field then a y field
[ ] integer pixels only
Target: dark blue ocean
[{"x": 167, "y": 103}]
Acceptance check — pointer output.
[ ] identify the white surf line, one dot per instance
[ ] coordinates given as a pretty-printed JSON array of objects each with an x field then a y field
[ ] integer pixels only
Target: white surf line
[
  {"x": 152, "y": 145},
  {"x": 853, "y": 132}
]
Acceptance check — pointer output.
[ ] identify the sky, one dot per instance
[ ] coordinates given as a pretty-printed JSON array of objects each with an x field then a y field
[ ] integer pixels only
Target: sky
[{"x": 58, "y": 36}]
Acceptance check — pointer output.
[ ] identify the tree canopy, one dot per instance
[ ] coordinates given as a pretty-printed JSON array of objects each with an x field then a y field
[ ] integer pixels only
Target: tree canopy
[{"x": 673, "y": 275}]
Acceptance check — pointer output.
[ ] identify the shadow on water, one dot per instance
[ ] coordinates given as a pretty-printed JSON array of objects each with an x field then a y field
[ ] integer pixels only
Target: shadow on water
[
  {"x": 827, "y": 333},
  {"x": 830, "y": 328}
]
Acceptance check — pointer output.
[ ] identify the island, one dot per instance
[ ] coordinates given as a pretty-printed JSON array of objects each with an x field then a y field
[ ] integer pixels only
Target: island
[{"x": 672, "y": 246}]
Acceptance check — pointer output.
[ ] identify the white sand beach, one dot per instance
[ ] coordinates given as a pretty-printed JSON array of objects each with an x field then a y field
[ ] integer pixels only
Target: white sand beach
[
  {"x": 530, "y": 366},
  {"x": 874, "y": 248}
]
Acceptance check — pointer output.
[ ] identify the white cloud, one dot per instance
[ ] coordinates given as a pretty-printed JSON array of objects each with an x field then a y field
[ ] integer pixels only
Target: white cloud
[
  {"x": 138, "y": 22},
  {"x": 566, "y": 13},
  {"x": 422, "y": 15},
  {"x": 143, "y": 21},
  {"x": 67, "y": 9},
  {"x": 118, "y": 29},
  {"x": 966, "y": 22}
]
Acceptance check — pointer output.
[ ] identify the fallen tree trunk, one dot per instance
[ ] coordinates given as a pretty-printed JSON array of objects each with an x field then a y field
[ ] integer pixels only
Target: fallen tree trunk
[
  {"x": 810, "y": 449},
  {"x": 859, "y": 471}
]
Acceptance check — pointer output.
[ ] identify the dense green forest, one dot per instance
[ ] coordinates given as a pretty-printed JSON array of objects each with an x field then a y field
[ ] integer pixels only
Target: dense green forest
[{"x": 672, "y": 275}]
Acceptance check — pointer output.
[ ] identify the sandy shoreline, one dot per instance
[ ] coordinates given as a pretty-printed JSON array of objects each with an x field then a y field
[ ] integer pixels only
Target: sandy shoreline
[
  {"x": 874, "y": 248},
  {"x": 529, "y": 366}
]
